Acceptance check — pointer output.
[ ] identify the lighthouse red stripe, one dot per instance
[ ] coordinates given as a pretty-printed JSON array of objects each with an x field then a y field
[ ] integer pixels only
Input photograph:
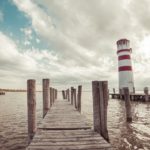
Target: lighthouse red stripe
[
  {"x": 125, "y": 68},
  {"x": 123, "y": 50},
  {"x": 124, "y": 57}
]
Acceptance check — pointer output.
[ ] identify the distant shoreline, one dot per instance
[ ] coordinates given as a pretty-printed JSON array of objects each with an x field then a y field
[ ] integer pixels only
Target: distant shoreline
[{"x": 14, "y": 90}]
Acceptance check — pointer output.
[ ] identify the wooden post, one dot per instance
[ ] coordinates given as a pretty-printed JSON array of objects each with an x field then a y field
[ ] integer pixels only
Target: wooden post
[
  {"x": 133, "y": 90},
  {"x": 63, "y": 94},
  {"x": 75, "y": 97},
  {"x": 45, "y": 96},
  {"x": 146, "y": 94},
  {"x": 72, "y": 95},
  {"x": 100, "y": 103},
  {"x": 79, "y": 98},
  {"x": 120, "y": 92},
  {"x": 114, "y": 91},
  {"x": 68, "y": 95},
  {"x": 56, "y": 93},
  {"x": 127, "y": 104},
  {"x": 31, "y": 101},
  {"x": 51, "y": 97}
]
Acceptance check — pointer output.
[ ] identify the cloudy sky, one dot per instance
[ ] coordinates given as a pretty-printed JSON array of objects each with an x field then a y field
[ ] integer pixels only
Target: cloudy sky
[{"x": 71, "y": 41}]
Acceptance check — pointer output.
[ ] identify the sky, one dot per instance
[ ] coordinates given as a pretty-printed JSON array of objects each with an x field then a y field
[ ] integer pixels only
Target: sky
[{"x": 72, "y": 41}]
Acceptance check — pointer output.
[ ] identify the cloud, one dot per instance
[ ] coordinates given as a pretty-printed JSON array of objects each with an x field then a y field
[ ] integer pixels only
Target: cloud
[{"x": 82, "y": 36}]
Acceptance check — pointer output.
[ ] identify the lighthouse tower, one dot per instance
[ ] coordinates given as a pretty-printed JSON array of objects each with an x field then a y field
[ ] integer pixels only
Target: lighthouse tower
[{"x": 124, "y": 65}]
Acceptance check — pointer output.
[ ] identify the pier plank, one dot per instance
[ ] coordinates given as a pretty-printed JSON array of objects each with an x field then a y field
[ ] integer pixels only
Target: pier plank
[{"x": 64, "y": 128}]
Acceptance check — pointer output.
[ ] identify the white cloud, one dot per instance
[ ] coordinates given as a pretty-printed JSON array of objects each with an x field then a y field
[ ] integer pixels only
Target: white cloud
[{"x": 83, "y": 35}]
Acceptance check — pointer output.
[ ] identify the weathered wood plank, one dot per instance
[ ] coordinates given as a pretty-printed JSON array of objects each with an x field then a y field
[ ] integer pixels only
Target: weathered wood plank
[{"x": 64, "y": 128}]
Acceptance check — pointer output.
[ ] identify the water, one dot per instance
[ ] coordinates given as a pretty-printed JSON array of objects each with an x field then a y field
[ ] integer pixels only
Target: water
[{"x": 123, "y": 136}]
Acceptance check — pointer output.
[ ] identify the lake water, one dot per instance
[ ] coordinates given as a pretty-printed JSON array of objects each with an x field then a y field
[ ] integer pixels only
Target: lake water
[{"x": 123, "y": 136}]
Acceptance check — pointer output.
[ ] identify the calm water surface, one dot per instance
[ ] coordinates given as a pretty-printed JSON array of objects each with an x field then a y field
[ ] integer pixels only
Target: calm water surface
[{"x": 123, "y": 136}]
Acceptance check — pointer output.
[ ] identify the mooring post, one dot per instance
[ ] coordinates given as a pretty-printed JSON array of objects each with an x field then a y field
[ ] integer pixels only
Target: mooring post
[
  {"x": 100, "y": 103},
  {"x": 51, "y": 97},
  {"x": 67, "y": 91},
  {"x": 127, "y": 104},
  {"x": 56, "y": 93},
  {"x": 75, "y": 97},
  {"x": 146, "y": 94},
  {"x": 120, "y": 92},
  {"x": 31, "y": 101},
  {"x": 63, "y": 94},
  {"x": 72, "y": 95},
  {"x": 45, "y": 96},
  {"x": 133, "y": 90},
  {"x": 114, "y": 91},
  {"x": 66, "y": 94},
  {"x": 79, "y": 98}
]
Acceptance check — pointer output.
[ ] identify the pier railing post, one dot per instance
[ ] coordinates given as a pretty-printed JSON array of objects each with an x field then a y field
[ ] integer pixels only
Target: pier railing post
[
  {"x": 114, "y": 91},
  {"x": 68, "y": 91},
  {"x": 63, "y": 94},
  {"x": 79, "y": 98},
  {"x": 51, "y": 97},
  {"x": 127, "y": 104},
  {"x": 31, "y": 101},
  {"x": 100, "y": 103},
  {"x": 66, "y": 94},
  {"x": 75, "y": 97},
  {"x": 146, "y": 94},
  {"x": 45, "y": 96},
  {"x": 72, "y": 95},
  {"x": 55, "y": 93}
]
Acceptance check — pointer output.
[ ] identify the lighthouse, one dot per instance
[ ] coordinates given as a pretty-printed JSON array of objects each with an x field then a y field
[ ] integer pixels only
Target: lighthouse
[{"x": 125, "y": 65}]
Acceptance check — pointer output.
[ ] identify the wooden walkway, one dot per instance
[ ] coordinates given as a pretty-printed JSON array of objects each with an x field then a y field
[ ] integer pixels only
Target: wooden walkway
[{"x": 64, "y": 128}]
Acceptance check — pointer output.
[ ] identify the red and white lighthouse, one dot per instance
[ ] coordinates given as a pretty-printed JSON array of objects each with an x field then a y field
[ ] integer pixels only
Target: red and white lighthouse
[{"x": 125, "y": 65}]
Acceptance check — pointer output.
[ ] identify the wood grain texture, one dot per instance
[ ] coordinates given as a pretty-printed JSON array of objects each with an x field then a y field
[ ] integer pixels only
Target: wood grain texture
[{"x": 64, "y": 128}]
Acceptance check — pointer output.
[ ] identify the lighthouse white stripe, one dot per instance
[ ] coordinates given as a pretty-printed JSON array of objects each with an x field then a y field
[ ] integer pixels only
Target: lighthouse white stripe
[
  {"x": 123, "y": 53},
  {"x": 126, "y": 62},
  {"x": 123, "y": 46}
]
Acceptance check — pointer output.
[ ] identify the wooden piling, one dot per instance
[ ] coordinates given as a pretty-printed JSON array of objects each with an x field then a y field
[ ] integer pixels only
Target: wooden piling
[
  {"x": 56, "y": 93},
  {"x": 75, "y": 97},
  {"x": 100, "y": 103},
  {"x": 114, "y": 91},
  {"x": 68, "y": 93},
  {"x": 45, "y": 96},
  {"x": 51, "y": 97},
  {"x": 127, "y": 104},
  {"x": 146, "y": 94},
  {"x": 72, "y": 95},
  {"x": 63, "y": 94},
  {"x": 121, "y": 93},
  {"x": 31, "y": 101},
  {"x": 79, "y": 98}
]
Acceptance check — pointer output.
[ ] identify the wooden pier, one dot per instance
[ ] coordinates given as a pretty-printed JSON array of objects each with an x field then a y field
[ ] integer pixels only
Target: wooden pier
[{"x": 65, "y": 128}]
